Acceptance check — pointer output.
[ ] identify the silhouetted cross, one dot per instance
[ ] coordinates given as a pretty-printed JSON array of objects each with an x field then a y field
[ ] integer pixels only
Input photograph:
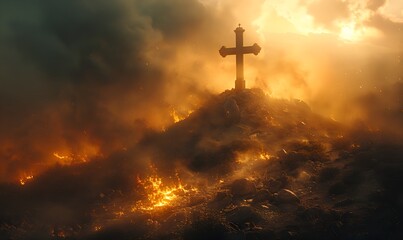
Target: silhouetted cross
[{"x": 239, "y": 50}]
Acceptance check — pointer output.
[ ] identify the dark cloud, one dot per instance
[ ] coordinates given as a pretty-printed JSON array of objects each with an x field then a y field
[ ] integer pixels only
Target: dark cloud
[
  {"x": 171, "y": 19},
  {"x": 75, "y": 69}
]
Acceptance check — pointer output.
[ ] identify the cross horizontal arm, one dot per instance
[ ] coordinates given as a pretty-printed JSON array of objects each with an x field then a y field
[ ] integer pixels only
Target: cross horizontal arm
[
  {"x": 255, "y": 49},
  {"x": 227, "y": 51}
]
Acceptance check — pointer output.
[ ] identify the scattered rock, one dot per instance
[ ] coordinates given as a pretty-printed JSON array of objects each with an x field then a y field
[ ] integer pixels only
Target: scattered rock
[
  {"x": 174, "y": 220},
  {"x": 242, "y": 187},
  {"x": 262, "y": 195},
  {"x": 196, "y": 200},
  {"x": 118, "y": 230},
  {"x": 221, "y": 200},
  {"x": 292, "y": 160},
  {"x": 304, "y": 176},
  {"x": 285, "y": 196},
  {"x": 344, "y": 203},
  {"x": 311, "y": 215},
  {"x": 221, "y": 196},
  {"x": 274, "y": 185},
  {"x": 243, "y": 215},
  {"x": 286, "y": 234},
  {"x": 328, "y": 174},
  {"x": 206, "y": 229},
  {"x": 337, "y": 189},
  {"x": 231, "y": 111},
  {"x": 317, "y": 215},
  {"x": 267, "y": 234},
  {"x": 352, "y": 178},
  {"x": 259, "y": 234}
]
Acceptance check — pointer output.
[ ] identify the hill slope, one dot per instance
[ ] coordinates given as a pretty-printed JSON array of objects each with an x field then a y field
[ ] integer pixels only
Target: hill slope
[{"x": 249, "y": 167}]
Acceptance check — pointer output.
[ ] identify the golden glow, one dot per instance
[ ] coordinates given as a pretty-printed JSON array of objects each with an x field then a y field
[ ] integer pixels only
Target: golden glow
[
  {"x": 279, "y": 17},
  {"x": 348, "y": 32},
  {"x": 285, "y": 17}
]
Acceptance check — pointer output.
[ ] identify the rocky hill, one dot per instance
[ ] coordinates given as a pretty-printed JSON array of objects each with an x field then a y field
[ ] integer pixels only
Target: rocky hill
[{"x": 250, "y": 167}]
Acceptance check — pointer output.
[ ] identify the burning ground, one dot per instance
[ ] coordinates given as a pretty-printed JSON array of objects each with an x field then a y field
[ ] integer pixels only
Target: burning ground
[{"x": 242, "y": 166}]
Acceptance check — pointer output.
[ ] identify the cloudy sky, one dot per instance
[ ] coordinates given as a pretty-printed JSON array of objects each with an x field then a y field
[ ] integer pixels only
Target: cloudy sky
[{"x": 86, "y": 77}]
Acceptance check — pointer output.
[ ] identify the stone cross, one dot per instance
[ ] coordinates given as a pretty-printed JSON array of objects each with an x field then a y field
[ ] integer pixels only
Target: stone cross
[{"x": 239, "y": 50}]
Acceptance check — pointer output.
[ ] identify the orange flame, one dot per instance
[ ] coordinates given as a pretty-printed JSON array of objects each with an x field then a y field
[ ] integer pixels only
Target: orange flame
[
  {"x": 25, "y": 179},
  {"x": 179, "y": 116},
  {"x": 71, "y": 159},
  {"x": 159, "y": 195},
  {"x": 59, "y": 156}
]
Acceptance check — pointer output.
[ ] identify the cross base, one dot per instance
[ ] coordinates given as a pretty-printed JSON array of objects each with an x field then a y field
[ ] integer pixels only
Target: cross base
[{"x": 239, "y": 84}]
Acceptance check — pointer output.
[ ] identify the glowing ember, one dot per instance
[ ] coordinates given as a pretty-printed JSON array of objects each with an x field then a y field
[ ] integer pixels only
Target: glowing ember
[
  {"x": 119, "y": 214},
  {"x": 71, "y": 158},
  {"x": 24, "y": 180},
  {"x": 159, "y": 195},
  {"x": 175, "y": 116},
  {"x": 250, "y": 158},
  {"x": 59, "y": 156},
  {"x": 264, "y": 156}
]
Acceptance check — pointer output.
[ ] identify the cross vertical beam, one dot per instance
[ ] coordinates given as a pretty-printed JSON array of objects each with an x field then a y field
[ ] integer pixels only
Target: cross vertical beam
[
  {"x": 240, "y": 81},
  {"x": 239, "y": 51}
]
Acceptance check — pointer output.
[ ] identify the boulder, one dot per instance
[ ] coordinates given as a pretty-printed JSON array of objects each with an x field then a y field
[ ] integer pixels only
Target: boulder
[
  {"x": 231, "y": 111},
  {"x": 286, "y": 196},
  {"x": 243, "y": 215},
  {"x": 328, "y": 173},
  {"x": 304, "y": 176},
  {"x": 262, "y": 195},
  {"x": 196, "y": 200},
  {"x": 221, "y": 200},
  {"x": 242, "y": 187},
  {"x": 275, "y": 185},
  {"x": 337, "y": 189},
  {"x": 205, "y": 229}
]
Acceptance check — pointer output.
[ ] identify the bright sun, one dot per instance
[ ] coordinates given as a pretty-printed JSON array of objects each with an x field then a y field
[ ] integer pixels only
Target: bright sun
[{"x": 348, "y": 32}]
